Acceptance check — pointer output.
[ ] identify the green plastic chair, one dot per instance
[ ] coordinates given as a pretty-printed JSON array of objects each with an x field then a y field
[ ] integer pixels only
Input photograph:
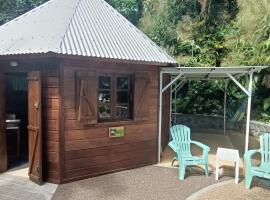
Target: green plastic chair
[
  {"x": 263, "y": 170},
  {"x": 181, "y": 145}
]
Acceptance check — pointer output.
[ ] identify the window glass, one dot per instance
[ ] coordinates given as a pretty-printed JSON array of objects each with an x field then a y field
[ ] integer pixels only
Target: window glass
[
  {"x": 122, "y": 112},
  {"x": 104, "y": 111},
  {"x": 122, "y": 97},
  {"x": 104, "y": 82},
  {"x": 123, "y": 83},
  {"x": 104, "y": 97},
  {"x": 114, "y": 97}
]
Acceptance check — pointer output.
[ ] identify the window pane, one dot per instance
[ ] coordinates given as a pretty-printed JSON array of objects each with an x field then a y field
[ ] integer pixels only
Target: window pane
[
  {"x": 122, "y": 112},
  {"x": 104, "y": 97},
  {"x": 122, "y": 97},
  {"x": 122, "y": 83},
  {"x": 104, "y": 82},
  {"x": 104, "y": 111}
]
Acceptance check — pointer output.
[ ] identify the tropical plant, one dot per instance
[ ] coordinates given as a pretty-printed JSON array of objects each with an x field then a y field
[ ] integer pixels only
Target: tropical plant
[{"x": 199, "y": 33}]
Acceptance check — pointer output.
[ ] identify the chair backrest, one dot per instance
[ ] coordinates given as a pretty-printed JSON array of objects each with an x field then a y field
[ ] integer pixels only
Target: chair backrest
[
  {"x": 265, "y": 148},
  {"x": 181, "y": 137}
]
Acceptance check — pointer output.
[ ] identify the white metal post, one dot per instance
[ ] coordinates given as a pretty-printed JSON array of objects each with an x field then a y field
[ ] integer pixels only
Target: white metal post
[
  {"x": 160, "y": 115},
  {"x": 175, "y": 104},
  {"x": 225, "y": 105},
  {"x": 248, "y": 109},
  {"x": 171, "y": 88}
]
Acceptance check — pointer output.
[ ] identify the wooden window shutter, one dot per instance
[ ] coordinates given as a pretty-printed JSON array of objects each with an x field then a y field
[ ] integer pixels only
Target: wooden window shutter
[
  {"x": 86, "y": 97},
  {"x": 142, "y": 96}
]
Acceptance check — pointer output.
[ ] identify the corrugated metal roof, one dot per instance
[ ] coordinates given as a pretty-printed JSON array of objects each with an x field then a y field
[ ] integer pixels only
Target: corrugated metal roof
[
  {"x": 79, "y": 27},
  {"x": 211, "y": 73}
]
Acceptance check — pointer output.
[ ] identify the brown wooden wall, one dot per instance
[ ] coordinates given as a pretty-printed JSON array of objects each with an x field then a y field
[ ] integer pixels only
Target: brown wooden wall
[
  {"x": 51, "y": 123},
  {"x": 165, "y": 135},
  {"x": 87, "y": 150}
]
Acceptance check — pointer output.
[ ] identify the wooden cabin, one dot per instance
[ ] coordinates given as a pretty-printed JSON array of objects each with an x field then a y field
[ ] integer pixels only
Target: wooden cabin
[{"x": 79, "y": 87}]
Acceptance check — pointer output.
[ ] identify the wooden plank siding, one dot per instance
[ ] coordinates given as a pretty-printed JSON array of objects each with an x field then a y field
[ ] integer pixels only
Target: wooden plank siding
[
  {"x": 165, "y": 135},
  {"x": 51, "y": 123},
  {"x": 88, "y": 150}
]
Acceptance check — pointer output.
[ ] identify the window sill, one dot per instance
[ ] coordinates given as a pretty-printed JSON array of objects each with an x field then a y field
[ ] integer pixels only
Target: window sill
[{"x": 116, "y": 123}]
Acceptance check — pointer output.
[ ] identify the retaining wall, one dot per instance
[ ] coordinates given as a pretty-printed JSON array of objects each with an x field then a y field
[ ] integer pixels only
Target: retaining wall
[{"x": 216, "y": 122}]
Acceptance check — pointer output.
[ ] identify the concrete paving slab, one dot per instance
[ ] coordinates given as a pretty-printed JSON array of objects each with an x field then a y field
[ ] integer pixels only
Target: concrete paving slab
[{"x": 15, "y": 185}]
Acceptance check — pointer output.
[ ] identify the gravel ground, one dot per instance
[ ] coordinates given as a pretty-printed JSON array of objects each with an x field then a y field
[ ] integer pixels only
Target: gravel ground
[{"x": 149, "y": 183}]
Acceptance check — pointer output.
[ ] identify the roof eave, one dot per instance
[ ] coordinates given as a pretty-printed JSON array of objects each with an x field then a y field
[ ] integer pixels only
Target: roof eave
[{"x": 78, "y": 57}]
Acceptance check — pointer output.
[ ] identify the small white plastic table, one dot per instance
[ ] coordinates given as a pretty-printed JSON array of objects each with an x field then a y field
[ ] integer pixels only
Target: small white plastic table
[{"x": 224, "y": 154}]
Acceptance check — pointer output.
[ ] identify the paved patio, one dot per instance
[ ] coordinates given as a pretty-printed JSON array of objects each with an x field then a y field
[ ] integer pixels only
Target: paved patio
[{"x": 15, "y": 185}]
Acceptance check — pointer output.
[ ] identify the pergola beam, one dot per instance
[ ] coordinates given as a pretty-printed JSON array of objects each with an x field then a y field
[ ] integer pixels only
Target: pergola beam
[
  {"x": 208, "y": 73},
  {"x": 172, "y": 82},
  {"x": 239, "y": 84},
  {"x": 179, "y": 85}
]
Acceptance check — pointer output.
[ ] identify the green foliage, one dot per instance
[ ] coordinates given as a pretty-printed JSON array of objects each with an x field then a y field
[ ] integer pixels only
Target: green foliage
[
  {"x": 197, "y": 98},
  {"x": 13, "y": 8},
  {"x": 218, "y": 33},
  {"x": 199, "y": 33},
  {"x": 131, "y": 9}
]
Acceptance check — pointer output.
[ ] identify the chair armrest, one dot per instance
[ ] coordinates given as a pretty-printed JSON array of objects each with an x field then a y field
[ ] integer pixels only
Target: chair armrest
[
  {"x": 173, "y": 145},
  {"x": 250, "y": 153},
  {"x": 201, "y": 145}
]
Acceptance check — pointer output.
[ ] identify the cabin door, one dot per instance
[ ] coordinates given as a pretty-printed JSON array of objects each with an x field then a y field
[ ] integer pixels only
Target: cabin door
[
  {"x": 3, "y": 147},
  {"x": 34, "y": 127}
]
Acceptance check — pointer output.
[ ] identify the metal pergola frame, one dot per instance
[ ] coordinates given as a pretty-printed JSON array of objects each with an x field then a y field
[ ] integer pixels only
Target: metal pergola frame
[{"x": 179, "y": 75}]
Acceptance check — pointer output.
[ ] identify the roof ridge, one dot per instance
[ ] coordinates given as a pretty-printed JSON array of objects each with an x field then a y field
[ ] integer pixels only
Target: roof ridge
[{"x": 68, "y": 26}]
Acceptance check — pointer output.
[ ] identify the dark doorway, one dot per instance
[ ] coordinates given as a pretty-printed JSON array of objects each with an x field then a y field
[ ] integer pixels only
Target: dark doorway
[{"x": 16, "y": 91}]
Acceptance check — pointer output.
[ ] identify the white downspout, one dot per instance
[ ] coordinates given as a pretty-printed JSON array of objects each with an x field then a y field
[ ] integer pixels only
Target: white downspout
[{"x": 225, "y": 106}]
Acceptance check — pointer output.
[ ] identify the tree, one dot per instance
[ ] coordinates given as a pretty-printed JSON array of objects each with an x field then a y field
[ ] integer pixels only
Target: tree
[
  {"x": 13, "y": 8},
  {"x": 131, "y": 9}
]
